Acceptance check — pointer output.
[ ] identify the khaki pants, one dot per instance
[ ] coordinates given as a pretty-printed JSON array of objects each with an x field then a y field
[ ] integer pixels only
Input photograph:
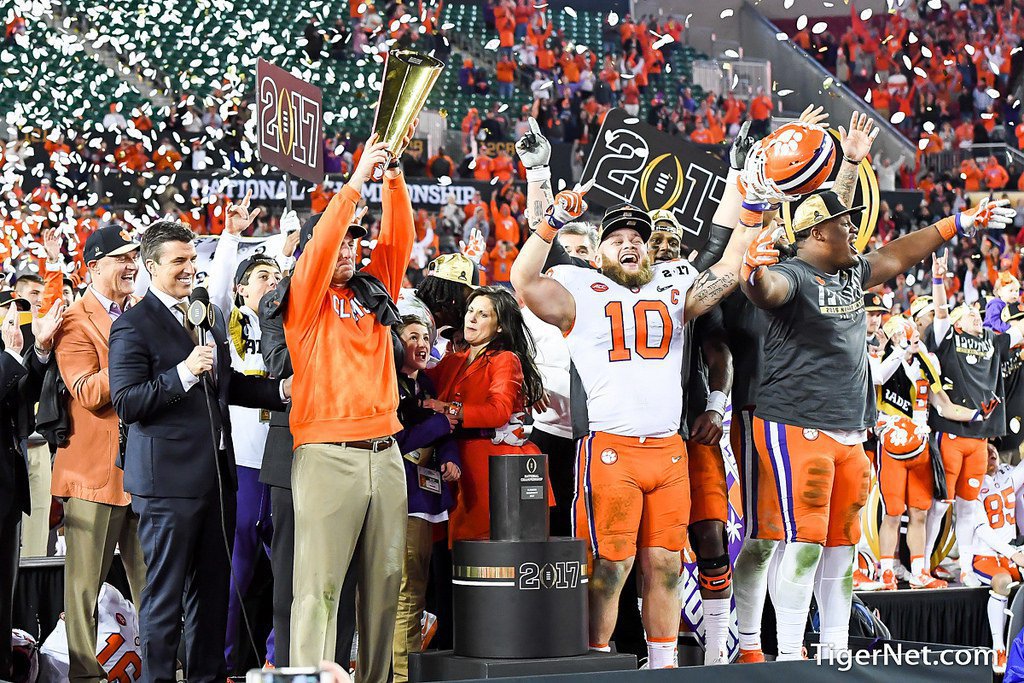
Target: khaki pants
[
  {"x": 412, "y": 599},
  {"x": 350, "y": 511},
  {"x": 92, "y": 531},
  {"x": 35, "y": 530}
]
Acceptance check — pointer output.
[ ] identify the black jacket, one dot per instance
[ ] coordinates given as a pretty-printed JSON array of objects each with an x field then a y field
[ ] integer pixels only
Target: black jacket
[{"x": 170, "y": 451}]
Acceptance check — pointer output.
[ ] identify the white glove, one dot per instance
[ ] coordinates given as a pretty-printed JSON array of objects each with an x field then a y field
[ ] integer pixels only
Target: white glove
[
  {"x": 988, "y": 214},
  {"x": 512, "y": 433},
  {"x": 289, "y": 222},
  {"x": 533, "y": 148},
  {"x": 760, "y": 188}
]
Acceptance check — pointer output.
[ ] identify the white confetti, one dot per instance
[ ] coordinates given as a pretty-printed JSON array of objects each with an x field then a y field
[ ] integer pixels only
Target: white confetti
[
  {"x": 570, "y": 11},
  {"x": 783, "y": 93},
  {"x": 865, "y": 14},
  {"x": 801, "y": 22},
  {"x": 819, "y": 27},
  {"x": 897, "y": 118},
  {"x": 726, "y": 13},
  {"x": 781, "y": 35}
]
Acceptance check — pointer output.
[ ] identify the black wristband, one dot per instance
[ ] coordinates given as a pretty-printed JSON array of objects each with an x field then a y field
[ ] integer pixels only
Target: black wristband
[
  {"x": 849, "y": 160},
  {"x": 394, "y": 163}
]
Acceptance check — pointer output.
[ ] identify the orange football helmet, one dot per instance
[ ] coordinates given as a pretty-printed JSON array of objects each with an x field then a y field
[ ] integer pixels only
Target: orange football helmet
[
  {"x": 901, "y": 439},
  {"x": 799, "y": 157}
]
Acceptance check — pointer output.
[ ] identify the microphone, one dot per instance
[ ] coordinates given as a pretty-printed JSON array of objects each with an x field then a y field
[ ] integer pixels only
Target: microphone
[{"x": 200, "y": 312}]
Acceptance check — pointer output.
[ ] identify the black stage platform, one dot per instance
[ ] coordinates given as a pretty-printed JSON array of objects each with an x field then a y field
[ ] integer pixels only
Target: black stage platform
[
  {"x": 877, "y": 661},
  {"x": 952, "y": 616}
]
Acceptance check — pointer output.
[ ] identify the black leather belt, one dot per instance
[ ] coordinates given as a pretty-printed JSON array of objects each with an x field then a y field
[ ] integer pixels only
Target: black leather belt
[{"x": 372, "y": 445}]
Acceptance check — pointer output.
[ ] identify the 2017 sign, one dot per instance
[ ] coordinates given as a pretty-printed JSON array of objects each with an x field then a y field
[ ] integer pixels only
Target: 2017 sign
[
  {"x": 636, "y": 163},
  {"x": 290, "y": 122}
]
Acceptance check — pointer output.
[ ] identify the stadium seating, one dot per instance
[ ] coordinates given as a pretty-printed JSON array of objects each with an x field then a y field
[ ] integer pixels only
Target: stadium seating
[{"x": 56, "y": 83}]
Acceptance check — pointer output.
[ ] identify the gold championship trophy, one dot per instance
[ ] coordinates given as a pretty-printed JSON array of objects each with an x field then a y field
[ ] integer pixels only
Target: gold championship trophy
[{"x": 408, "y": 78}]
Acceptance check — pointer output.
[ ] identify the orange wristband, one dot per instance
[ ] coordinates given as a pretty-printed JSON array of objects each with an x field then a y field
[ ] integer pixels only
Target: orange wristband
[
  {"x": 546, "y": 232},
  {"x": 751, "y": 218},
  {"x": 947, "y": 228}
]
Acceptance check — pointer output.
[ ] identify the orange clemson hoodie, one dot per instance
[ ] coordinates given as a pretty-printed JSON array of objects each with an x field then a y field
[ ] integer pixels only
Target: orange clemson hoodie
[{"x": 345, "y": 386}]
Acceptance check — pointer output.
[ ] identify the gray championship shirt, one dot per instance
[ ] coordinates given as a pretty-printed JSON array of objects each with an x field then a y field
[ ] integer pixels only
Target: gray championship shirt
[
  {"x": 971, "y": 376},
  {"x": 815, "y": 373}
]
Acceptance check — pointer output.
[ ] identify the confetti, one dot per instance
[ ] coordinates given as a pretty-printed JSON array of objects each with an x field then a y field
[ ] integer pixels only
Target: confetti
[
  {"x": 726, "y": 13},
  {"x": 897, "y": 118}
]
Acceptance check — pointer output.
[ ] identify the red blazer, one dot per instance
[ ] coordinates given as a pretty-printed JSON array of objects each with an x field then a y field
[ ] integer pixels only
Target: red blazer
[{"x": 491, "y": 388}]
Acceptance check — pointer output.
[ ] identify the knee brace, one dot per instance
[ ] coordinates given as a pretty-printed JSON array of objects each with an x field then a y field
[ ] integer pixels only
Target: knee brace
[{"x": 710, "y": 575}]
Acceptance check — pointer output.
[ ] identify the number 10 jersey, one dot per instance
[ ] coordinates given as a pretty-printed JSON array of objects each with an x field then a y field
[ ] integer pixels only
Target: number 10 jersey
[{"x": 627, "y": 346}]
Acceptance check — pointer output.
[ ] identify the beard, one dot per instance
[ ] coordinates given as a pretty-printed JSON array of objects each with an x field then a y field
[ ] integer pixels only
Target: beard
[{"x": 616, "y": 273}]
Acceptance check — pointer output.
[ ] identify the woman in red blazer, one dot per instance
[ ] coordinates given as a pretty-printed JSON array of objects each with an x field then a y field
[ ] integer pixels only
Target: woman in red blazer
[{"x": 487, "y": 387}]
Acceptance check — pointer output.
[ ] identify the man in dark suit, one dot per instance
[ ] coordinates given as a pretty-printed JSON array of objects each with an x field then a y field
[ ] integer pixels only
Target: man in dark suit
[
  {"x": 24, "y": 355},
  {"x": 179, "y": 466}
]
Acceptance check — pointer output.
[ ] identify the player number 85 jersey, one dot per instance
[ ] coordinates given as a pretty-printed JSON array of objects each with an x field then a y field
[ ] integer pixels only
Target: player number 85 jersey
[{"x": 627, "y": 346}]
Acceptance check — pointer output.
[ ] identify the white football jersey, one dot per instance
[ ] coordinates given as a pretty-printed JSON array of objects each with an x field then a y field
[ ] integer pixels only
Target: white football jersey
[
  {"x": 627, "y": 346},
  {"x": 998, "y": 498}
]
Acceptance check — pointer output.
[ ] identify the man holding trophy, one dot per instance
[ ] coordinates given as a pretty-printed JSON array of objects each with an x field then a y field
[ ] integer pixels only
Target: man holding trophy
[{"x": 348, "y": 480}]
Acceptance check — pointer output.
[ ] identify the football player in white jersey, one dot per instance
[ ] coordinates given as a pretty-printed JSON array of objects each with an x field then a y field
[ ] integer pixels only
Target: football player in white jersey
[
  {"x": 624, "y": 324},
  {"x": 997, "y": 561}
]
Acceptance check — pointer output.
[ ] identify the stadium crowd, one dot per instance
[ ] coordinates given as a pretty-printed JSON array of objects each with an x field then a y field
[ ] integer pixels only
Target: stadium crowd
[{"x": 940, "y": 72}]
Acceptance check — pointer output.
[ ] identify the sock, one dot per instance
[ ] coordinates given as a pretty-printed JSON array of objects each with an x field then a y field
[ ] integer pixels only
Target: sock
[
  {"x": 932, "y": 525},
  {"x": 716, "y": 629},
  {"x": 917, "y": 565},
  {"x": 750, "y": 586},
  {"x": 997, "y": 619},
  {"x": 600, "y": 648},
  {"x": 773, "y": 571},
  {"x": 795, "y": 585},
  {"x": 833, "y": 590},
  {"x": 661, "y": 653},
  {"x": 886, "y": 563},
  {"x": 965, "y": 525}
]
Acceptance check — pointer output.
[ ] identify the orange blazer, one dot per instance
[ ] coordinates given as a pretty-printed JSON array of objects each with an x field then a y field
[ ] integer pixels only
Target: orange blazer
[
  {"x": 491, "y": 388},
  {"x": 85, "y": 469}
]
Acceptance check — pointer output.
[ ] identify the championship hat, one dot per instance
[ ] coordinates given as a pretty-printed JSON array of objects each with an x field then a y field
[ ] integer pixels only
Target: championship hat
[
  {"x": 623, "y": 216},
  {"x": 820, "y": 207},
  {"x": 7, "y": 297},
  {"x": 1014, "y": 311},
  {"x": 957, "y": 313},
  {"x": 873, "y": 303},
  {"x": 457, "y": 268},
  {"x": 922, "y": 305},
  {"x": 248, "y": 264},
  {"x": 665, "y": 221},
  {"x": 113, "y": 240}
]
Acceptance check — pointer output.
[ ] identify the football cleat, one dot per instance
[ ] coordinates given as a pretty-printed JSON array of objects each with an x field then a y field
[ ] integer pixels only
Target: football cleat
[
  {"x": 970, "y": 580},
  {"x": 862, "y": 583},
  {"x": 999, "y": 665},
  {"x": 888, "y": 580},
  {"x": 943, "y": 572},
  {"x": 925, "y": 580},
  {"x": 750, "y": 656}
]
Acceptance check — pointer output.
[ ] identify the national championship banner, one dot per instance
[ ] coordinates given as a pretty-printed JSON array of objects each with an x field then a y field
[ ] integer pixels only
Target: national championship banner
[
  {"x": 636, "y": 163},
  {"x": 273, "y": 191},
  {"x": 290, "y": 127}
]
